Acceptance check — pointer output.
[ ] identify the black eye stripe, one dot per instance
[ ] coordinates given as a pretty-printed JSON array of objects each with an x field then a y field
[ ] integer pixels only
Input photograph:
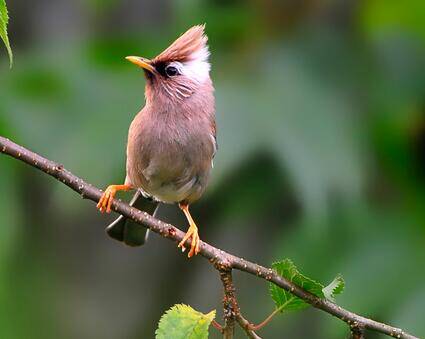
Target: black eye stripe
[
  {"x": 166, "y": 70},
  {"x": 160, "y": 68}
]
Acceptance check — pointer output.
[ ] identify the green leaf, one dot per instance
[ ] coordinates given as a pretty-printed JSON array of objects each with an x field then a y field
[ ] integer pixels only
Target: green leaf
[
  {"x": 183, "y": 322},
  {"x": 4, "y": 20},
  {"x": 334, "y": 288},
  {"x": 286, "y": 301}
]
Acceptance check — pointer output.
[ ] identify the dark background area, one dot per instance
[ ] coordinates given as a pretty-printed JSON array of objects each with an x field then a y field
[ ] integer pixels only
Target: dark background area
[{"x": 321, "y": 131}]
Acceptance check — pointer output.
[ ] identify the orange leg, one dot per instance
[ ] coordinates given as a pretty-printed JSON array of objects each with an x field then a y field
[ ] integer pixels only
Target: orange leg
[
  {"x": 192, "y": 232},
  {"x": 105, "y": 202}
]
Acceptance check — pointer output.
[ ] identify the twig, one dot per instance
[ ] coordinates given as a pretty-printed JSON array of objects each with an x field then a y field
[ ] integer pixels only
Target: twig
[
  {"x": 231, "y": 308},
  {"x": 215, "y": 255},
  {"x": 230, "y": 305},
  {"x": 357, "y": 333},
  {"x": 247, "y": 327}
]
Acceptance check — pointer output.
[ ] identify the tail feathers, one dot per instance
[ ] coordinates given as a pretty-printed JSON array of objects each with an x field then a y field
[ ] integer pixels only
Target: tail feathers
[{"x": 129, "y": 232}]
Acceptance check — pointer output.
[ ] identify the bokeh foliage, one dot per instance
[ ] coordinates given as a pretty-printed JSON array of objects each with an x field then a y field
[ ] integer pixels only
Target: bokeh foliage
[{"x": 321, "y": 130}]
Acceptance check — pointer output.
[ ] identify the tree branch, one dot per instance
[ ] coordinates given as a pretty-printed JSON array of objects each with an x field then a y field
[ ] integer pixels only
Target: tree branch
[{"x": 216, "y": 256}]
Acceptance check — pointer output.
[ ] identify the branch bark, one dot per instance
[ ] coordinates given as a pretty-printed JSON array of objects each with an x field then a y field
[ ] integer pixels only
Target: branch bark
[
  {"x": 357, "y": 333},
  {"x": 215, "y": 255},
  {"x": 230, "y": 305}
]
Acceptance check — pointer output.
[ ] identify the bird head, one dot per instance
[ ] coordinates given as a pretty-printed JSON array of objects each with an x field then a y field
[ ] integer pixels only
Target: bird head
[{"x": 180, "y": 70}]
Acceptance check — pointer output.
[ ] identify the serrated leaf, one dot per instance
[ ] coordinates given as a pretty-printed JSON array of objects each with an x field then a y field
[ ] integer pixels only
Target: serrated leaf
[
  {"x": 334, "y": 288},
  {"x": 286, "y": 301},
  {"x": 183, "y": 322},
  {"x": 4, "y": 20}
]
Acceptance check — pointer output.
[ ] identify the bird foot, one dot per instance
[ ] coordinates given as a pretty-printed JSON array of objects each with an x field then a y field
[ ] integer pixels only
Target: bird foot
[
  {"x": 105, "y": 201},
  {"x": 192, "y": 232}
]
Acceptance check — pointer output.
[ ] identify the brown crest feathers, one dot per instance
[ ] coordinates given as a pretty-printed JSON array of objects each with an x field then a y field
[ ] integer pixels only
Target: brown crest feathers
[{"x": 187, "y": 47}]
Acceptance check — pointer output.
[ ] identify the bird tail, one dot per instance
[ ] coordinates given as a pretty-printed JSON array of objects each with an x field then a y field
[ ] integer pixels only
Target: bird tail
[{"x": 129, "y": 232}]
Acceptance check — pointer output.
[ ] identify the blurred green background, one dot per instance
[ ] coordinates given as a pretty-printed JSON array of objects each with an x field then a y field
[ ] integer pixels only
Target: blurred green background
[{"x": 321, "y": 131}]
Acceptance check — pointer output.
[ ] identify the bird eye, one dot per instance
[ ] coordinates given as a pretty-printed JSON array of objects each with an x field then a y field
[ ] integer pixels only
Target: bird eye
[{"x": 171, "y": 71}]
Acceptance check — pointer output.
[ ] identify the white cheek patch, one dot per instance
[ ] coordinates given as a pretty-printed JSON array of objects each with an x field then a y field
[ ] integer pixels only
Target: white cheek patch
[{"x": 198, "y": 68}]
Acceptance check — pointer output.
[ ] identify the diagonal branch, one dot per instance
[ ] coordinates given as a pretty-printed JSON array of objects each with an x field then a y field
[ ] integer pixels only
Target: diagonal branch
[{"x": 216, "y": 256}]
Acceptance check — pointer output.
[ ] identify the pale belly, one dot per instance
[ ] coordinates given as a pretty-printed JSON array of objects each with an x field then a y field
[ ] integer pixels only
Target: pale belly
[{"x": 170, "y": 193}]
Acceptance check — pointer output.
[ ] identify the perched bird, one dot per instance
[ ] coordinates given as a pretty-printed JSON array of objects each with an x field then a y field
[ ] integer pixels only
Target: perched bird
[{"x": 172, "y": 140}]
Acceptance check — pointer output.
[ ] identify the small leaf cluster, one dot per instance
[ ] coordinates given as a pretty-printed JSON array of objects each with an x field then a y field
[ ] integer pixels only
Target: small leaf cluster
[{"x": 182, "y": 321}]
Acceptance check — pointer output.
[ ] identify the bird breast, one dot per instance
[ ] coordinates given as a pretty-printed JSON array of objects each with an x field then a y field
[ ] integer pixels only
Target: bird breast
[{"x": 169, "y": 154}]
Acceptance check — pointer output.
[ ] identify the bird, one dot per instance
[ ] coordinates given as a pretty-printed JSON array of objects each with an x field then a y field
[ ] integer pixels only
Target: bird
[{"x": 172, "y": 141}]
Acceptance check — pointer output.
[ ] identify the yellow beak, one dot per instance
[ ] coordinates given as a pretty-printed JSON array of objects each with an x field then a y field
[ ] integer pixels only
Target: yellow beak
[{"x": 141, "y": 62}]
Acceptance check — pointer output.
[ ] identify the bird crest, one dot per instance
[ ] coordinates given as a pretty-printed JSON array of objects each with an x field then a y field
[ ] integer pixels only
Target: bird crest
[{"x": 190, "y": 46}]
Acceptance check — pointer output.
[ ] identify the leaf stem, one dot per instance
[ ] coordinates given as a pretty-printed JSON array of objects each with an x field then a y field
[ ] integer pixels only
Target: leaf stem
[
  {"x": 217, "y": 325},
  {"x": 269, "y": 318}
]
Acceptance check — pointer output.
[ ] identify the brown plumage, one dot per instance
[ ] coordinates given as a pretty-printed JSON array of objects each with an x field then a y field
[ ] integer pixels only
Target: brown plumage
[
  {"x": 172, "y": 140},
  {"x": 185, "y": 47}
]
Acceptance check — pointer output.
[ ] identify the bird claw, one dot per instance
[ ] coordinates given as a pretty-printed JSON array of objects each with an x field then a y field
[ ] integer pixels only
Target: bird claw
[
  {"x": 105, "y": 201},
  {"x": 192, "y": 232}
]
